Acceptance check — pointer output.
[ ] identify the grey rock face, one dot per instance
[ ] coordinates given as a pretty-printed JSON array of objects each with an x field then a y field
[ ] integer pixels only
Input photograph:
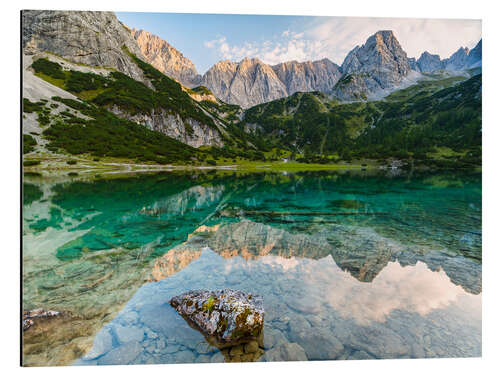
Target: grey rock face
[
  {"x": 462, "y": 59},
  {"x": 219, "y": 77},
  {"x": 428, "y": 62},
  {"x": 91, "y": 38},
  {"x": 174, "y": 126},
  {"x": 251, "y": 82},
  {"x": 307, "y": 76},
  {"x": 413, "y": 64},
  {"x": 458, "y": 60},
  {"x": 166, "y": 58},
  {"x": 229, "y": 316},
  {"x": 246, "y": 83},
  {"x": 476, "y": 55},
  {"x": 379, "y": 64},
  {"x": 286, "y": 352}
]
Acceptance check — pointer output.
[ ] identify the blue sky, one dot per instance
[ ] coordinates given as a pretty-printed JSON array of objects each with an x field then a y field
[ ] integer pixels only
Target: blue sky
[{"x": 208, "y": 38}]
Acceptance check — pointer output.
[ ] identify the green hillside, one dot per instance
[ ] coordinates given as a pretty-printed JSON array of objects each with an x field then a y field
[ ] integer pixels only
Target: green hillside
[
  {"x": 435, "y": 122},
  {"x": 415, "y": 123}
]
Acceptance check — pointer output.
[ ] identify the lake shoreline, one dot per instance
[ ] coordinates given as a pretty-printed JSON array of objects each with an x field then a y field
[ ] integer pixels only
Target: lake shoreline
[{"x": 58, "y": 166}]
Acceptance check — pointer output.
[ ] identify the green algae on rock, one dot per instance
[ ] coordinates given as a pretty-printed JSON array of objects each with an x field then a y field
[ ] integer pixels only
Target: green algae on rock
[{"x": 226, "y": 317}]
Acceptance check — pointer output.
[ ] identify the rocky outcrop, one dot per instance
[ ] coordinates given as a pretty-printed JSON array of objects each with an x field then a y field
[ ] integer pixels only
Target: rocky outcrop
[
  {"x": 379, "y": 64},
  {"x": 29, "y": 317},
  {"x": 413, "y": 64},
  {"x": 166, "y": 58},
  {"x": 188, "y": 131},
  {"x": 91, "y": 38},
  {"x": 172, "y": 262},
  {"x": 321, "y": 75},
  {"x": 458, "y": 60},
  {"x": 476, "y": 55},
  {"x": 428, "y": 62},
  {"x": 229, "y": 316},
  {"x": 247, "y": 83}
]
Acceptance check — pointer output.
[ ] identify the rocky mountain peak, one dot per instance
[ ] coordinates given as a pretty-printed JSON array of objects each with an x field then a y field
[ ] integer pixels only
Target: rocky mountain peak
[
  {"x": 166, "y": 58},
  {"x": 381, "y": 52},
  {"x": 458, "y": 60},
  {"x": 379, "y": 64},
  {"x": 428, "y": 62}
]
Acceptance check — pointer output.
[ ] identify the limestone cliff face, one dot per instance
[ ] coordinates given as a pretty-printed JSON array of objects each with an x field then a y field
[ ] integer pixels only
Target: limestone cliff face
[
  {"x": 379, "y": 64},
  {"x": 166, "y": 58},
  {"x": 475, "y": 57},
  {"x": 307, "y": 76},
  {"x": 219, "y": 77},
  {"x": 413, "y": 64},
  {"x": 458, "y": 60},
  {"x": 428, "y": 62},
  {"x": 465, "y": 58},
  {"x": 251, "y": 82},
  {"x": 246, "y": 83},
  {"x": 188, "y": 131},
  {"x": 91, "y": 38}
]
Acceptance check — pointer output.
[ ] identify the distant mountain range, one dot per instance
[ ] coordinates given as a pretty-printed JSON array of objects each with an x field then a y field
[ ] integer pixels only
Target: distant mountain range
[
  {"x": 462, "y": 59},
  {"x": 368, "y": 71},
  {"x": 246, "y": 83},
  {"x": 371, "y": 70}
]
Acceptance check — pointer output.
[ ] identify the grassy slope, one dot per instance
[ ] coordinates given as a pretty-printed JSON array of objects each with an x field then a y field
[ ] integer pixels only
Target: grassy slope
[
  {"x": 134, "y": 97},
  {"x": 414, "y": 123}
]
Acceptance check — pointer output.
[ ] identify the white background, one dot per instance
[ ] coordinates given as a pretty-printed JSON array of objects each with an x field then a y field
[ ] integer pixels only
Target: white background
[{"x": 10, "y": 185}]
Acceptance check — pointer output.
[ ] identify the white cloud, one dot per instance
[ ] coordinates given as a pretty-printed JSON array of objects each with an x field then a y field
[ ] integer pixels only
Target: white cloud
[
  {"x": 334, "y": 37},
  {"x": 291, "y": 46}
]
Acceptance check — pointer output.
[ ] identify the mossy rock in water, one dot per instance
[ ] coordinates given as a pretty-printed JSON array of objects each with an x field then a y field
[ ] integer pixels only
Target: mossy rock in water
[{"x": 226, "y": 317}]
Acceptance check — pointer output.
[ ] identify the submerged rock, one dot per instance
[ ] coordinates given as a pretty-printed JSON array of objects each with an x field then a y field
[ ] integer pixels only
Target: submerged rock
[
  {"x": 226, "y": 317},
  {"x": 286, "y": 352},
  {"x": 29, "y": 317}
]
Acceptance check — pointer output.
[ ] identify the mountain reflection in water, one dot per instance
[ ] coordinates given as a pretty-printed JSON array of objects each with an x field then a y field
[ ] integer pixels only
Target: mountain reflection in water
[{"x": 405, "y": 284}]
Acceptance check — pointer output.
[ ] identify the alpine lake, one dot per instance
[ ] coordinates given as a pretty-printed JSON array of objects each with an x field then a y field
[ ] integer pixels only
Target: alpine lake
[{"x": 350, "y": 264}]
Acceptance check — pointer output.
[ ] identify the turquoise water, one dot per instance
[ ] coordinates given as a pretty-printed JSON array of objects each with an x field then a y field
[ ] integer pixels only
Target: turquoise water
[{"x": 399, "y": 278}]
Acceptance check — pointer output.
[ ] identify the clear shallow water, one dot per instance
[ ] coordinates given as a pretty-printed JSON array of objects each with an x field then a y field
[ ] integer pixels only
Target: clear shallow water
[{"x": 405, "y": 283}]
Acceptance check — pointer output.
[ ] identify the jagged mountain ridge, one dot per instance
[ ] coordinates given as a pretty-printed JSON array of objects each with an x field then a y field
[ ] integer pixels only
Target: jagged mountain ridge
[
  {"x": 251, "y": 81},
  {"x": 166, "y": 58},
  {"x": 462, "y": 59},
  {"x": 245, "y": 83},
  {"x": 368, "y": 71}
]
